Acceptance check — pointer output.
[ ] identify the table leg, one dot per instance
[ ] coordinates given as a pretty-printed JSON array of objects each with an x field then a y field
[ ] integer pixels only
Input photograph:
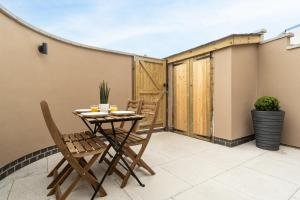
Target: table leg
[
  {"x": 87, "y": 125},
  {"x": 119, "y": 152}
]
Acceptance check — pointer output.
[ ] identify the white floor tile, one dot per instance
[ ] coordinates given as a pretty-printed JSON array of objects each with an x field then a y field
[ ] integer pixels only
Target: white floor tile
[
  {"x": 296, "y": 196},
  {"x": 154, "y": 157},
  {"x": 257, "y": 185},
  {"x": 162, "y": 185},
  {"x": 5, "y": 187},
  {"x": 193, "y": 170},
  {"x": 53, "y": 161},
  {"x": 114, "y": 192},
  {"x": 276, "y": 168},
  {"x": 177, "y": 146},
  {"x": 204, "y": 165},
  {"x": 286, "y": 154},
  {"x": 211, "y": 190},
  {"x": 29, "y": 188}
]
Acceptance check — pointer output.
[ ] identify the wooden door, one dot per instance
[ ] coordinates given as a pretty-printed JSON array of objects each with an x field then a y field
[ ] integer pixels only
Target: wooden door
[
  {"x": 180, "y": 96},
  {"x": 201, "y": 97},
  {"x": 192, "y": 97},
  {"x": 150, "y": 81}
]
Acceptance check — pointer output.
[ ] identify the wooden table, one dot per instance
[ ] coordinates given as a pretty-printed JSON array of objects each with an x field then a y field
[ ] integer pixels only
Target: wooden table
[{"x": 111, "y": 138}]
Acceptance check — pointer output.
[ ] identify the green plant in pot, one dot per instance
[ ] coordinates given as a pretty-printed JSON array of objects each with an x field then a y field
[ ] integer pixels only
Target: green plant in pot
[
  {"x": 104, "y": 94},
  {"x": 267, "y": 122}
]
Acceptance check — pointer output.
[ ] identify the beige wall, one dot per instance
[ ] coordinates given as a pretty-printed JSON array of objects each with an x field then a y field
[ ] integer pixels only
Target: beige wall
[
  {"x": 235, "y": 90},
  {"x": 242, "y": 74},
  {"x": 68, "y": 78},
  {"x": 243, "y": 89},
  {"x": 279, "y": 76},
  {"x": 222, "y": 93}
]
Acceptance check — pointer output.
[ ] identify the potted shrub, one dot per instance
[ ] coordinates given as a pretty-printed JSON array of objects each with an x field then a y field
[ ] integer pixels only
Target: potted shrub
[
  {"x": 267, "y": 122},
  {"x": 104, "y": 94}
]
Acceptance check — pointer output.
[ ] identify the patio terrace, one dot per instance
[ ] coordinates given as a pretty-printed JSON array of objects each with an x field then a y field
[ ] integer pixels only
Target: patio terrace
[{"x": 186, "y": 168}]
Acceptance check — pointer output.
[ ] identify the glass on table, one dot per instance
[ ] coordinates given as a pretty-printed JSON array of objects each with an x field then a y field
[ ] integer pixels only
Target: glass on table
[
  {"x": 94, "y": 108},
  {"x": 113, "y": 108}
]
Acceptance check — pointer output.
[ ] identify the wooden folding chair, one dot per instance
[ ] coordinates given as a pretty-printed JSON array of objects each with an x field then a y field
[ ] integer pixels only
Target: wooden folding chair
[
  {"x": 132, "y": 105},
  {"x": 71, "y": 137},
  {"x": 135, "y": 106},
  {"x": 74, "y": 153},
  {"x": 150, "y": 109}
]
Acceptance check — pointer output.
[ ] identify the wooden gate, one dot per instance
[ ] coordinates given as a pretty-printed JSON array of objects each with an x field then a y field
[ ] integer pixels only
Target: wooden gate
[
  {"x": 180, "y": 85},
  {"x": 150, "y": 84},
  {"x": 201, "y": 98},
  {"x": 192, "y": 94}
]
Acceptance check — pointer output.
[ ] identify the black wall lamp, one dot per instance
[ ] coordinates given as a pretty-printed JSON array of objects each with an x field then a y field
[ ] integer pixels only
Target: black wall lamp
[{"x": 43, "y": 48}]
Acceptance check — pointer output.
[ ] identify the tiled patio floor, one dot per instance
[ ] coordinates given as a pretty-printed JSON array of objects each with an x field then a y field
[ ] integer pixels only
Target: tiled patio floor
[{"x": 186, "y": 168}]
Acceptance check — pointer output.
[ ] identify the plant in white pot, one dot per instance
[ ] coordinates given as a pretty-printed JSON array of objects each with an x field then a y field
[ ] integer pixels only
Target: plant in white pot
[{"x": 104, "y": 94}]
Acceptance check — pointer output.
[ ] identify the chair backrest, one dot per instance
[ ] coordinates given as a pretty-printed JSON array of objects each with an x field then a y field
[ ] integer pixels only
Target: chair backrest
[
  {"x": 132, "y": 105},
  {"x": 150, "y": 110},
  {"x": 54, "y": 132},
  {"x": 56, "y": 136}
]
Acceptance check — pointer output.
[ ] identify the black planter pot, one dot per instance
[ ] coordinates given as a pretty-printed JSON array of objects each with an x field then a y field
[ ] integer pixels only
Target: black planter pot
[{"x": 267, "y": 128}]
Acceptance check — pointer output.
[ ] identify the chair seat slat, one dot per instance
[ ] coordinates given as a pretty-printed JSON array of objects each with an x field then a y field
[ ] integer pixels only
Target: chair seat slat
[
  {"x": 66, "y": 138},
  {"x": 78, "y": 136},
  {"x": 71, "y": 147},
  {"x": 72, "y": 137},
  {"x": 84, "y": 135},
  {"x": 93, "y": 144},
  {"x": 79, "y": 147},
  {"x": 99, "y": 142},
  {"x": 86, "y": 146}
]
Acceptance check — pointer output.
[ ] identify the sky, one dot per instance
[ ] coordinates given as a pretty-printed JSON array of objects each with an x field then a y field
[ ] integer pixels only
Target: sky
[{"x": 156, "y": 28}]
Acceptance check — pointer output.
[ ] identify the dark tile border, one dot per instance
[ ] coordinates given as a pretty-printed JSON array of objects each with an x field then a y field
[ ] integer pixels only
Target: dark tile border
[
  {"x": 233, "y": 143},
  {"x": 217, "y": 140},
  {"x": 26, "y": 160}
]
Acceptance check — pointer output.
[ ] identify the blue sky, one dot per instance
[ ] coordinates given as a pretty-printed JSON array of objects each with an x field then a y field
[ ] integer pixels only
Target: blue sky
[{"x": 155, "y": 28}]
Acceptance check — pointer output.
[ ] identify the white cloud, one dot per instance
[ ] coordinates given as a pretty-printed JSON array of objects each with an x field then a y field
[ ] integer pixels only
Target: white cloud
[{"x": 154, "y": 27}]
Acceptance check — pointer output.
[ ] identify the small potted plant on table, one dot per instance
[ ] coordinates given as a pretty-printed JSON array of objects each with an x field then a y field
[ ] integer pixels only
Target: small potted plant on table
[
  {"x": 267, "y": 122},
  {"x": 104, "y": 94}
]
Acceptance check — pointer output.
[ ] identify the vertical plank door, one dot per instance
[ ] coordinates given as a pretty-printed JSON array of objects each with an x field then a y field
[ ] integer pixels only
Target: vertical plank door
[
  {"x": 150, "y": 85},
  {"x": 180, "y": 95},
  {"x": 201, "y": 97}
]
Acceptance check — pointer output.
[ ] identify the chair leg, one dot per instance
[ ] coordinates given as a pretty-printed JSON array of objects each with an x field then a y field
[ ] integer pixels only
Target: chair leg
[
  {"x": 141, "y": 162},
  {"x": 90, "y": 178},
  {"x": 127, "y": 175},
  {"x": 60, "y": 181},
  {"x": 84, "y": 173},
  {"x": 104, "y": 153},
  {"x": 83, "y": 163},
  {"x": 70, "y": 188},
  {"x": 56, "y": 167},
  {"x": 135, "y": 161},
  {"x": 114, "y": 166},
  {"x": 59, "y": 176}
]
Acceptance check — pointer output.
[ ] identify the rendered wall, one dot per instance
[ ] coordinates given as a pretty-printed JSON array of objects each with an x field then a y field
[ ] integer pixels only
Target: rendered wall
[
  {"x": 68, "y": 78},
  {"x": 279, "y": 76},
  {"x": 235, "y": 90},
  {"x": 244, "y": 76},
  {"x": 222, "y": 93}
]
